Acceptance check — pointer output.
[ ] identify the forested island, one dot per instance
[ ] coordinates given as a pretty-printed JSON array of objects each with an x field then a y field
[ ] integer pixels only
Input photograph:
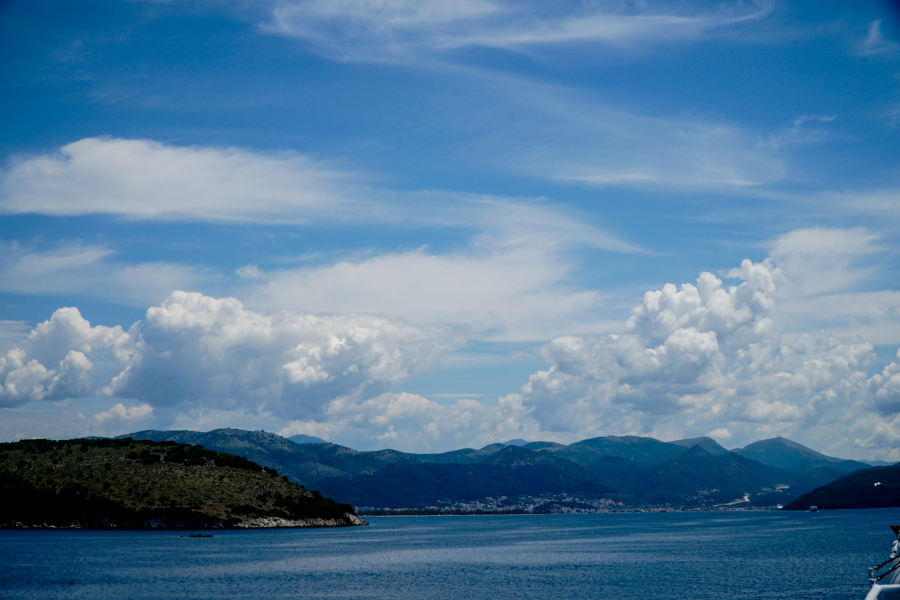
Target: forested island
[{"x": 138, "y": 484}]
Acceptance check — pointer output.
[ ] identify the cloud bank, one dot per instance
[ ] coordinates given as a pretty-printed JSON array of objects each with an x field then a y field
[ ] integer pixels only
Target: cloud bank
[
  {"x": 195, "y": 351},
  {"x": 699, "y": 359}
]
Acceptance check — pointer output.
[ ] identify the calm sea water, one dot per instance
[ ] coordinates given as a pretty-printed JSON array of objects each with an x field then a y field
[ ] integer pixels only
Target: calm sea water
[{"x": 689, "y": 556}]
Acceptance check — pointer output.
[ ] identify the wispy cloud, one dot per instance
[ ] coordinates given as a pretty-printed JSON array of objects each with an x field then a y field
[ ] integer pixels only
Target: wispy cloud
[
  {"x": 573, "y": 137},
  {"x": 410, "y": 29},
  {"x": 93, "y": 270},
  {"x": 875, "y": 44}
]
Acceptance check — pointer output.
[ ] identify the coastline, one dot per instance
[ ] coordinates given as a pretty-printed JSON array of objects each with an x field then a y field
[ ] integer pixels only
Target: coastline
[{"x": 349, "y": 520}]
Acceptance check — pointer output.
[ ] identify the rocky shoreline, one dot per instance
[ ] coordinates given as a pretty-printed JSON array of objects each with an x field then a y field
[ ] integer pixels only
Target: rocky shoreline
[
  {"x": 277, "y": 522},
  {"x": 349, "y": 520}
]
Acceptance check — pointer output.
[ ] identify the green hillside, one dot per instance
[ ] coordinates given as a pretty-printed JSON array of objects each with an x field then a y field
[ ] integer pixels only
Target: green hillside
[
  {"x": 137, "y": 484},
  {"x": 692, "y": 478},
  {"x": 513, "y": 472},
  {"x": 389, "y": 478},
  {"x": 878, "y": 487}
]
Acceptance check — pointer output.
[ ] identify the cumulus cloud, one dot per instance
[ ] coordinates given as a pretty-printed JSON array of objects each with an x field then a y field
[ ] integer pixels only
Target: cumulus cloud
[
  {"x": 147, "y": 179},
  {"x": 118, "y": 412},
  {"x": 702, "y": 359},
  {"x": 409, "y": 29},
  {"x": 416, "y": 423},
  {"x": 195, "y": 351},
  {"x": 200, "y": 351},
  {"x": 58, "y": 361},
  {"x": 697, "y": 359}
]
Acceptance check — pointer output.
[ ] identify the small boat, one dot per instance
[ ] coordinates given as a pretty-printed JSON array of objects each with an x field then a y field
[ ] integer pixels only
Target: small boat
[
  {"x": 815, "y": 508},
  {"x": 885, "y": 578}
]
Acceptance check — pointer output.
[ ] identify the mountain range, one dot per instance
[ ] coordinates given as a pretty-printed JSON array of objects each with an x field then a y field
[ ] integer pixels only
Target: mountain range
[{"x": 603, "y": 471}]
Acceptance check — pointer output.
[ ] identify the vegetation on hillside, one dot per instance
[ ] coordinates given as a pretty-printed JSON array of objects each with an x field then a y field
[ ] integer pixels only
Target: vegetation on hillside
[
  {"x": 137, "y": 483},
  {"x": 874, "y": 488}
]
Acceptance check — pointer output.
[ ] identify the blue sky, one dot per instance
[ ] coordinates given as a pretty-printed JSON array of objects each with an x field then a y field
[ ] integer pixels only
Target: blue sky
[{"x": 427, "y": 225}]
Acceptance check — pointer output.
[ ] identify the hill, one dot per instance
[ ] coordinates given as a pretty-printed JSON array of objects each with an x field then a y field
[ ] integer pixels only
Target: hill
[
  {"x": 303, "y": 463},
  {"x": 125, "y": 483},
  {"x": 628, "y": 447},
  {"x": 309, "y": 462},
  {"x": 878, "y": 487},
  {"x": 707, "y": 443},
  {"x": 312, "y": 464},
  {"x": 789, "y": 455},
  {"x": 509, "y": 474},
  {"x": 302, "y": 438},
  {"x": 692, "y": 478}
]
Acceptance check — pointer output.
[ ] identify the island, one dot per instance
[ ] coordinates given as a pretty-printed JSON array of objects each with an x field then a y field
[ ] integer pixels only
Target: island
[{"x": 142, "y": 484}]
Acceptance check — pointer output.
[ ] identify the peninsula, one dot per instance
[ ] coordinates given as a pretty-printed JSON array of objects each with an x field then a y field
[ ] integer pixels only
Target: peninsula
[{"x": 141, "y": 484}]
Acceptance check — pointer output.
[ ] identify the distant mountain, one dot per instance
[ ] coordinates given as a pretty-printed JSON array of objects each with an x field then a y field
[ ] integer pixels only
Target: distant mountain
[
  {"x": 878, "y": 487},
  {"x": 512, "y": 472},
  {"x": 629, "y": 464},
  {"x": 707, "y": 443},
  {"x": 629, "y": 447},
  {"x": 877, "y": 463},
  {"x": 302, "y": 463},
  {"x": 694, "y": 477},
  {"x": 516, "y": 442},
  {"x": 308, "y": 463},
  {"x": 465, "y": 456},
  {"x": 123, "y": 483},
  {"x": 302, "y": 438},
  {"x": 543, "y": 446},
  {"x": 789, "y": 455}
]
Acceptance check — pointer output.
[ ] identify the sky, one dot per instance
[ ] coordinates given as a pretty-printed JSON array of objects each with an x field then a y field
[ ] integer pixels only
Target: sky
[{"x": 428, "y": 225}]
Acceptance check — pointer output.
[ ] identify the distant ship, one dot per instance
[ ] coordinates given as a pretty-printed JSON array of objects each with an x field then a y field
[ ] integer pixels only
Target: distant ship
[
  {"x": 815, "y": 508},
  {"x": 886, "y": 586}
]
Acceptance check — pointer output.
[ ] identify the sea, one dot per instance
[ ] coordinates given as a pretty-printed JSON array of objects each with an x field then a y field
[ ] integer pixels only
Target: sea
[{"x": 645, "y": 556}]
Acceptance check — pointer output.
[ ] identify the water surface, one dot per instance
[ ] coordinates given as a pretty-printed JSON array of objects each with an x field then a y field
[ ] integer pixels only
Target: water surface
[{"x": 677, "y": 556}]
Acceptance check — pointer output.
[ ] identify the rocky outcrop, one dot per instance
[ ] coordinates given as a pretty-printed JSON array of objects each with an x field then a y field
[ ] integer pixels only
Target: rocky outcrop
[{"x": 349, "y": 520}]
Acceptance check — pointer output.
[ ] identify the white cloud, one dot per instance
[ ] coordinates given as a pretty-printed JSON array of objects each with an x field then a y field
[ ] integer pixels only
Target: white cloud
[
  {"x": 801, "y": 134},
  {"x": 58, "y": 359},
  {"x": 415, "y": 423},
  {"x": 201, "y": 351},
  {"x": 144, "y": 179},
  {"x": 409, "y": 29},
  {"x": 699, "y": 359},
  {"x": 704, "y": 358},
  {"x": 92, "y": 270},
  {"x": 875, "y": 44},
  {"x": 834, "y": 281},
  {"x": 519, "y": 293},
  {"x": 826, "y": 260},
  {"x": 119, "y": 412},
  {"x": 574, "y": 137},
  {"x": 194, "y": 351}
]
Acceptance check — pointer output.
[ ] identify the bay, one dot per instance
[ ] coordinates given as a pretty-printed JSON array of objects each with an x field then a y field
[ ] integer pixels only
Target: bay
[{"x": 677, "y": 556}]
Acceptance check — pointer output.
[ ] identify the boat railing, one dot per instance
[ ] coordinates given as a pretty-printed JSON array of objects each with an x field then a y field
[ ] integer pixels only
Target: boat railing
[{"x": 874, "y": 576}]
